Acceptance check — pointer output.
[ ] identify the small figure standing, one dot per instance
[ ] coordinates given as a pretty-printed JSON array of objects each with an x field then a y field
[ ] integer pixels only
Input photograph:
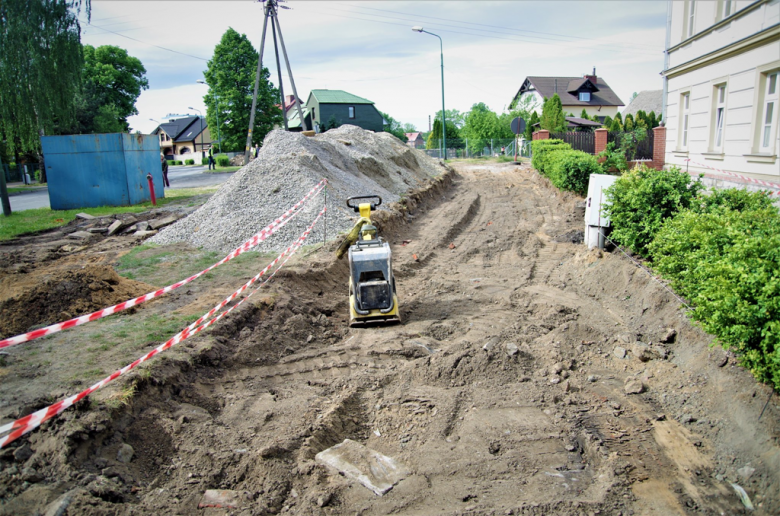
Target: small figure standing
[
  {"x": 257, "y": 150},
  {"x": 212, "y": 163},
  {"x": 164, "y": 164}
]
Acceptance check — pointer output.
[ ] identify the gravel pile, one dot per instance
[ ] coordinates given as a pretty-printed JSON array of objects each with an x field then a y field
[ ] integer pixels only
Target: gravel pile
[{"x": 355, "y": 162}]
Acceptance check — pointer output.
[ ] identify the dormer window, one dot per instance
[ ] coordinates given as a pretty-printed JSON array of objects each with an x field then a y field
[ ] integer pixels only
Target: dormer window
[{"x": 585, "y": 96}]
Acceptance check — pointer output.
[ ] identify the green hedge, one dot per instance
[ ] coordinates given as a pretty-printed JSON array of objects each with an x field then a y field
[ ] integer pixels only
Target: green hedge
[
  {"x": 571, "y": 169},
  {"x": 178, "y": 162},
  {"x": 642, "y": 199},
  {"x": 204, "y": 161},
  {"x": 171, "y": 162},
  {"x": 223, "y": 161},
  {"x": 727, "y": 263},
  {"x": 189, "y": 161},
  {"x": 541, "y": 150}
]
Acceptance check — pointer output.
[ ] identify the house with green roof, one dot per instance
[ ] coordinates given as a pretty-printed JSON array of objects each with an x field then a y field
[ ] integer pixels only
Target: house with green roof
[{"x": 343, "y": 107}]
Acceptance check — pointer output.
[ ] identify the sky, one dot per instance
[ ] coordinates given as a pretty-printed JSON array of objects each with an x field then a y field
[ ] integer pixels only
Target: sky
[{"x": 368, "y": 48}]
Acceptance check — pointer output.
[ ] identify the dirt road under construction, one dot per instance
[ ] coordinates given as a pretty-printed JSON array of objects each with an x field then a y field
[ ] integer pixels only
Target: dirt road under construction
[{"x": 529, "y": 376}]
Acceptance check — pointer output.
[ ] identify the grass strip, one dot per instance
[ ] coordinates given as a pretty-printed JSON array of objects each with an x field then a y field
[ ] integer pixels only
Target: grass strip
[{"x": 39, "y": 219}]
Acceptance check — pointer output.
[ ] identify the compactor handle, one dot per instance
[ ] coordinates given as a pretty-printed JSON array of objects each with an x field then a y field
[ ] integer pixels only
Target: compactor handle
[{"x": 356, "y": 207}]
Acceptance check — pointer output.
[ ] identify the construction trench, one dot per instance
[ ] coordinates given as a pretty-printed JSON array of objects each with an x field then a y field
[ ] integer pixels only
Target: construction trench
[{"x": 528, "y": 376}]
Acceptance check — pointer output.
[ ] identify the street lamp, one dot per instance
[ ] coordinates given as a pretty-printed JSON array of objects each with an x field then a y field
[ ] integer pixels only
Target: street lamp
[
  {"x": 216, "y": 100},
  {"x": 200, "y": 117},
  {"x": 443, "y": 117}
]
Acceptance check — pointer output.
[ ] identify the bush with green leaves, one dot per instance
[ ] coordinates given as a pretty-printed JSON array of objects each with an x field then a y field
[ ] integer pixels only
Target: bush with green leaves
[
  {"x": 204, "y": 161},
  {"x": 541, "y": 149},
  {"x": 171, "y": 162},
  {"x": 614, "y": 159},
  {"x": 727, "y": 263},
  {"x": 178, "y": 162},
  {"x": 571, "y": 169},
  {"x": 189, "y": 161},
  {"x": 223, "y": 161},
  {"x": 732, "y": 198},
  {"x": 642, "y": 199}
]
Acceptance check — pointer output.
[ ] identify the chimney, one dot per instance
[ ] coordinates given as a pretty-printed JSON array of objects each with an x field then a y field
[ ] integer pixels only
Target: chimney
[{"x": 593, "y": 76}]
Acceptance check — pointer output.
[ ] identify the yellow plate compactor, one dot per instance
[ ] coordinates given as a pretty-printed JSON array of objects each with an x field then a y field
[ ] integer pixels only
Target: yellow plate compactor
[{"x": 372, "y": 296}]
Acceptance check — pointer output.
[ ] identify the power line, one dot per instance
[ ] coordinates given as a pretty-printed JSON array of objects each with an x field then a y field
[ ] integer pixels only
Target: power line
[
  {"x": 515, "y": 39},
  {"x": 147, "y": 43},
  {"x": 497, "y": 26}
]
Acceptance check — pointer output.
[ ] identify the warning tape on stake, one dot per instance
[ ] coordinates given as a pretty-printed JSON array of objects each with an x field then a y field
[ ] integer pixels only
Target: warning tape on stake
[
  {"x": 259, "y": 237},
  {"x": 746, "y": 178},
  {"x": 28, "y": 423}
]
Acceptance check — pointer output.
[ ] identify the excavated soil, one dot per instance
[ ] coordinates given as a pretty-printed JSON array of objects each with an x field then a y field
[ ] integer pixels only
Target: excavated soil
[{"x": 529, "y": 376}]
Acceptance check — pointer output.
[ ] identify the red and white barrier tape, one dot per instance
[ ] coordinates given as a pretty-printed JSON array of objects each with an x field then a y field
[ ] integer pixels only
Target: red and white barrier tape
[
  {"x": 746, "y": 178},
  {"x": 259, "y": 237},
  {"x": 28, "y": 423}
]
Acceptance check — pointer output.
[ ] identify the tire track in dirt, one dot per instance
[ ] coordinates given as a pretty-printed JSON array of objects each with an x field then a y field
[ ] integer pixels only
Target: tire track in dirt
[{"x": 500, "y": 391}]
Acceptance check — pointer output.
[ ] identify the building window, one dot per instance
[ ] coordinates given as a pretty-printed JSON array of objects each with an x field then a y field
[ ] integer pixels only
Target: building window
[
  {"x": 769, "y": 111},
  {"x": 685, "y": 111},
  {"x": 728, "y": 8},
  {"x": 719, "y": 115},
  {"x": 585, "y": 96},
  {"x": 351, "y": 111},
  {"x": 690, "y": 23}
]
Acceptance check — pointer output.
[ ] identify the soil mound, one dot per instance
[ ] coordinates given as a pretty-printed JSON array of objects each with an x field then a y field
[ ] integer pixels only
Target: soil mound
[
  {"x": 64, "y": 295},
  {"x": 355, "y": 162}
]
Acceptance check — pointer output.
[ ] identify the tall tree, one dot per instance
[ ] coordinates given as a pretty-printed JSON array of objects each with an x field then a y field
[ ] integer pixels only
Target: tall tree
[
  {"x": 231, "y": 79},
  {"x": 483, "y": 125},
  {"x": 113, "y": 80},
  {"x": 453, "y": 116},
  {"x": 40, "y": 68},
  {"x": 553, "y": 118}
]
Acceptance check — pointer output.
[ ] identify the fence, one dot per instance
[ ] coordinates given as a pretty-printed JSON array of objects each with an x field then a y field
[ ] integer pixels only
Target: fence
[
  {"x": 635, "y": 150},
  {"x": 581, "y": 141},
  {"x": 24, "y": 173},
  {"x": 473, "y": 148}
]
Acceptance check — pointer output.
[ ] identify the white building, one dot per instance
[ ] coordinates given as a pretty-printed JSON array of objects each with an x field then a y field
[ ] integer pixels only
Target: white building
[{"x": 722, "y": 100}]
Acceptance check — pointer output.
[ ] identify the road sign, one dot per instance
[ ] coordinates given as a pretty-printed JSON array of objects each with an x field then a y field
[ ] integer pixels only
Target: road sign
[{"x": 518, "y": 125}]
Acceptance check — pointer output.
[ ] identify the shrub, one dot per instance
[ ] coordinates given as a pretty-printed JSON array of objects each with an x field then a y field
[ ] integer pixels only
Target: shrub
[
  {"x": 189, "y": 161},
  {"x": 642, "y": 199},
  {"x": 540, "y": 150},
  {"x": 614, "y": 159},
  {"x": 204, "y": 161},
  {"x": 727, "y": 263},
  {"x": 178, "y": 162},
  {"x": 732, "y": 198},
  {"x": 571, "y": 169},
  {"x": 223, "y": 161},
  {"x": 171, "y": 162}
]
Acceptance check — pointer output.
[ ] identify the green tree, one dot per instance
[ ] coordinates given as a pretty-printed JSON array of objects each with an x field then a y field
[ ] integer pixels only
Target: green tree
[
  {"x": 619, "y": 118},
  {"x": 434, "y": 138},
  {"x": 529, "y": 126},
  {"x": 552, "y": 115},
  {"x": 457, "y": 118},
  {"x": 409, "y": 128},
  {"x": 482, "y": 125},
  {"x": 113, "y": 80},
  {"x": 231, "y": 78},
  {"x": 40, "y": 68},
  {"x": 628, "y": 123},
  {"x": 616, "y": 126},
  {"x": 393, "y": 127},
  {"x": 607, "y": 122},
  {"x": 584, "y": 114}
]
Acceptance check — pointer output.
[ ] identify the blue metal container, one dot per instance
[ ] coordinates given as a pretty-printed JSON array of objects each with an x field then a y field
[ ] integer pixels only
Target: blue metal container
[{"x": 89, "y": 170}]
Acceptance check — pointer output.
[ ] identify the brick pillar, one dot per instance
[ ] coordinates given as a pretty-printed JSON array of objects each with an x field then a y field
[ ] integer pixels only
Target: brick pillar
[
  {"x": 659, "y": 147},
  {"x": 541, "y": 134},
  {"x": 601, "y": 139}
]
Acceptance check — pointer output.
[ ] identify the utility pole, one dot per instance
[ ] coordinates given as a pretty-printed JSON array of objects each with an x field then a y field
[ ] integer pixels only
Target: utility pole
[
  {"x": 4, "y": 192},
  {"x": 270, "y": 12}
]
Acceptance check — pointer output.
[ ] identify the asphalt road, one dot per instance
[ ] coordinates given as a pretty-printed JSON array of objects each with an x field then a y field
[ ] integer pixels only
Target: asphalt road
[{"x": 179, "y": 176}]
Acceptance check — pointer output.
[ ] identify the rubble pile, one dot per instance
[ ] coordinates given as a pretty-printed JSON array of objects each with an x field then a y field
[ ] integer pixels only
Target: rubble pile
[{"x": 355, "y": 162}]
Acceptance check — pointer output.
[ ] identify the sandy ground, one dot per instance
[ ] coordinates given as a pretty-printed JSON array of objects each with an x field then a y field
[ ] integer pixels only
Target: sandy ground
[{"x": 511, "y": 386}]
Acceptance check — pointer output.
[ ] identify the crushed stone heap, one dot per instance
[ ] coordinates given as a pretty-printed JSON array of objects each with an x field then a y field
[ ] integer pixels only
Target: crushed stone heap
[{"x": 355, "y": 162}]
